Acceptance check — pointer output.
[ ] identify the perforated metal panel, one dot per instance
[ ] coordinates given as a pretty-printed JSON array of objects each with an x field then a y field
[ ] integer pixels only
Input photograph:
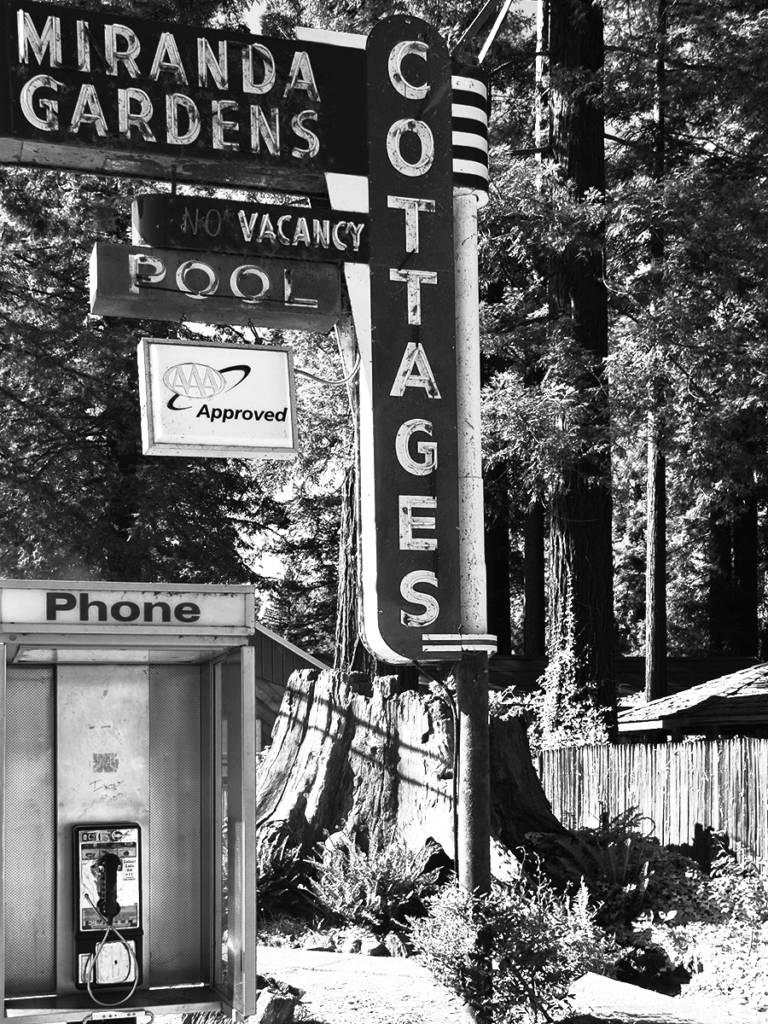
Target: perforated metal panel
[
  {"x": 30, "y": 833},
  {"x": 102, "y": 713},
  {"x": 37, "y": 888},
  {"x": 175, "y": 925}
]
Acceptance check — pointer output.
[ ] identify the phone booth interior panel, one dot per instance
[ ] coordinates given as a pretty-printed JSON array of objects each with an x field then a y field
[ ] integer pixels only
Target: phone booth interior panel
[{"x": 128, "y": 801}]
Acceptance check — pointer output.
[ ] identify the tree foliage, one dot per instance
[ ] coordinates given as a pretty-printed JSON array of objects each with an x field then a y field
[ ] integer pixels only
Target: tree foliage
[
  {"x": 78, "y": 498},
  {"x": 702, "y": 333}
]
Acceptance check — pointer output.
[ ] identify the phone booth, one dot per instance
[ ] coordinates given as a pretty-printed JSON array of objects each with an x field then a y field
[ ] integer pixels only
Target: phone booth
[{"x": 128, "y": 799}]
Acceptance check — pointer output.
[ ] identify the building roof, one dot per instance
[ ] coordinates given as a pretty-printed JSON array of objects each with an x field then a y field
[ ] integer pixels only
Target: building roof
[{"x": 735, "y": 701}]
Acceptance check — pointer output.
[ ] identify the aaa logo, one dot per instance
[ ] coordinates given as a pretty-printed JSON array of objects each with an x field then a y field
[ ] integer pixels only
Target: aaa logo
[{"x": 199, "y": 381}]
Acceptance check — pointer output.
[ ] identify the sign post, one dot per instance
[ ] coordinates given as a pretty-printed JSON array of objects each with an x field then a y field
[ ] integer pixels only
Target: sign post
[
  {"x": 410, "y": 549},
  {"x": 406, "y": 324},
  {"x": 474, "y": 825}
]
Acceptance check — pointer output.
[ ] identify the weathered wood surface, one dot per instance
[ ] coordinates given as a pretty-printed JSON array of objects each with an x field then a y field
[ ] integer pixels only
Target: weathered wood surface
[
  {"x": 719, "y": 783},
  {"x": 348, "y": 752}
]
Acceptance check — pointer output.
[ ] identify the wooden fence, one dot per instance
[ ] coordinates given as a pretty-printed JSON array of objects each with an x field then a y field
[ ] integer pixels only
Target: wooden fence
[{"x": 722, "y": 783}]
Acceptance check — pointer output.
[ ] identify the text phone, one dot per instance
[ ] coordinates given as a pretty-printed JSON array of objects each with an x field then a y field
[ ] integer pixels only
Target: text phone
[{"x": 108, "y": 925}]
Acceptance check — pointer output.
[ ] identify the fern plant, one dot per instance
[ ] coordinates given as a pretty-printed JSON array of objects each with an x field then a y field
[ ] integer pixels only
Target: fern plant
[
  {"x": 280, "y": 869},
  {"x": 615, "y": 861},
  {"x": 375, "y": 887}
]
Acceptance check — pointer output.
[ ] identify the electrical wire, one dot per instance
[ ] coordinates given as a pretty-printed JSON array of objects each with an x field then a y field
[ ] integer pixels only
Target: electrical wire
[
  {"x": 332, "y": 383},
  {"x": 90, "y": 965}
]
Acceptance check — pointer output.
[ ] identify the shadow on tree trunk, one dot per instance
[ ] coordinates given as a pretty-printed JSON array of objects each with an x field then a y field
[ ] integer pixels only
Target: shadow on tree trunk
[{"x": 355, "y": 753}]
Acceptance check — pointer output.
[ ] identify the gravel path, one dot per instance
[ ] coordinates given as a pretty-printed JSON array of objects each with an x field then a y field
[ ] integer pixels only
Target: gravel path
[
  {"x": 606, "y": 1001},
  {"x": 346, "y": 988}
]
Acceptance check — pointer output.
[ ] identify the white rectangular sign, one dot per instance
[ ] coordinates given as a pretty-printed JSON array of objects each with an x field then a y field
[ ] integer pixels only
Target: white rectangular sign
[
  {"x": 215, "y": 400},
  {"x": 82, "y": 607}
]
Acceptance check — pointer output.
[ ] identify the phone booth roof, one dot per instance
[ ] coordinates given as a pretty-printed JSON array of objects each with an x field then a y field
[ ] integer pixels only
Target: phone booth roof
[{"x": 60, "y": 622}]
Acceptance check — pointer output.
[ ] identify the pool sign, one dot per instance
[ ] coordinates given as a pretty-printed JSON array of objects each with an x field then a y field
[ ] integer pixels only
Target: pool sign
[
  {"x": 409, "y": 482},
  {"x": 254, "y": 229},
  {"x": 216, "y": 400},
  {"x": 213, "y": 288},
  {"x": 98, "y": 91}
]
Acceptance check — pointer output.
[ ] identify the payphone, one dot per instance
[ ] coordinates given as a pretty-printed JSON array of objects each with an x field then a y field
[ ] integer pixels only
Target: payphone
[
  {"x": 128, "y": 752},
  {"x": 108, "y": 909}
]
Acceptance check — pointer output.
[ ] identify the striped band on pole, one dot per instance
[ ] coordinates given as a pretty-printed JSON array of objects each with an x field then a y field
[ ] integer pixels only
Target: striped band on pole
[
  {"x": 469, "y": 122},
  {"x": 458, "y": 643}
]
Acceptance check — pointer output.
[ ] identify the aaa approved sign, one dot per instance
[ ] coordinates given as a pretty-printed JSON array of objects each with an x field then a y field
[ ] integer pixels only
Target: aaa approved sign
[{"x": 214, "y": 400}]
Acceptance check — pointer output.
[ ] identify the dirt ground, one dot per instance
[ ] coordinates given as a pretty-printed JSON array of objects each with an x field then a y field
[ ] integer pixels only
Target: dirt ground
[{"x": 345, "y": 988}]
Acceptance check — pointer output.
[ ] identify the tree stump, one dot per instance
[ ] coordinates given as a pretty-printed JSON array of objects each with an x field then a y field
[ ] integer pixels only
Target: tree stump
[{"x": 353, "y": 753}]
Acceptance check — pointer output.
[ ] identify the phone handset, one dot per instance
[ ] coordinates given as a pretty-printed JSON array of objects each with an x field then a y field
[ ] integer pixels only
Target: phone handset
[{"x": 106, "y": 870}]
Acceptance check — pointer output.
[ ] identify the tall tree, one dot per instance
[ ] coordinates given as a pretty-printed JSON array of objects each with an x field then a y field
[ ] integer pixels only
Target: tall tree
[
  {"x": 733, "y": 579},
  {"x": 656, "y": 486},
  {"x": 581, "y": 632},
  {"x": 686, "y": 252},
  {"x": 497, "y": 556}
]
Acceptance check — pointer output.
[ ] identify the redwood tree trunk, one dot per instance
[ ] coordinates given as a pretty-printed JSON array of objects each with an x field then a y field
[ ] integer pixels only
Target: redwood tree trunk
[
  {"x": 349, "y": 652},
  {"x": 534, "y": 622},
  {"x": 580, "y": 599},
  {"x": 656, "y": 514},
  {"x": 720, "y": 588},
  {"x": 581, "y": 634},
  {"x": 656, "y": 568},
  {"x": 733, "y": 580},
  {"x": 497, "y": 557},
  {"x": 745, "y": 583},
  {"x": 348, "y": 752}
]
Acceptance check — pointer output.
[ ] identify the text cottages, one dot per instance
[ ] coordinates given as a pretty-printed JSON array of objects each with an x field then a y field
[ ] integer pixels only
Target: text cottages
[{"x": 413, "y": 339}]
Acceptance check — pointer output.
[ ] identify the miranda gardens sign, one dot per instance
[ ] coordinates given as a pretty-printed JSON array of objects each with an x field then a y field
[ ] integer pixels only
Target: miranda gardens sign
[{"x": 99, "y": 92}]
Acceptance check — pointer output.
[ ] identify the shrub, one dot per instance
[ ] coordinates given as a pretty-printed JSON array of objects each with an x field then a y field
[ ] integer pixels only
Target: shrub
[
  {"x": 537, "y": 943},
  {"x": 713, "y": 928},
  {"x": 375, "y": 887},
  {"x": 280, "y": 869},
  {"x": 727, "y": 959},
  {"x": 615, "y": 861},
  {"x": 680, "y": 891}
]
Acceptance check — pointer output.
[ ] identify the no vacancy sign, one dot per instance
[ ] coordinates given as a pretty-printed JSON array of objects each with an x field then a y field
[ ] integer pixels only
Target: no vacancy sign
[{"x": 216, "y": 400}]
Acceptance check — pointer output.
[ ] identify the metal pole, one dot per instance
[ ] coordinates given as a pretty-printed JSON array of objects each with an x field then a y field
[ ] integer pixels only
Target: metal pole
[{"x": 474, "y": 867}]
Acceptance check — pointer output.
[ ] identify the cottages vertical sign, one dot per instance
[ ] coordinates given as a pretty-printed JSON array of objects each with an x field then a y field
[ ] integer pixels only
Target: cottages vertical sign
[{"x": 409, "y": 490}]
